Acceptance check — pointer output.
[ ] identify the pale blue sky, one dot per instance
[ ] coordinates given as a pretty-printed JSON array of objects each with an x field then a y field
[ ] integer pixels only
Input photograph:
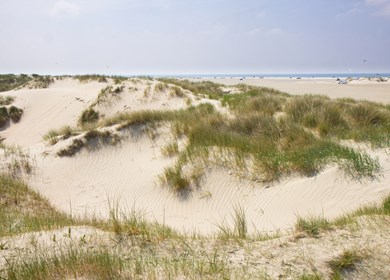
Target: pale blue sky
[{"x": 194, "y": 36}]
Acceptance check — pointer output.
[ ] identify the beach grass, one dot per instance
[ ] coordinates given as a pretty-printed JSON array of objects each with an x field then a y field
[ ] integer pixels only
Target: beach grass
[
  {"x": 11, "y": 81},
  {"x": 205, "y": 88},
  {"x": 23, "y": 210},
  {"x": 138, "y": 248},
  {"x": 269, "y": 135},
  {"x": 6, "y": 100}
]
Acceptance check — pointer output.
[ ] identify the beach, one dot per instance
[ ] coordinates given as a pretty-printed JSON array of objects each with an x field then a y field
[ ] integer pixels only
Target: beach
[{"x": 360, "y": 89}]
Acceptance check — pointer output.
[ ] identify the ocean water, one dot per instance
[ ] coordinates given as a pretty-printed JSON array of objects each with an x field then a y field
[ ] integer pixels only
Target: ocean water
[{"x": 286, "y": 75}]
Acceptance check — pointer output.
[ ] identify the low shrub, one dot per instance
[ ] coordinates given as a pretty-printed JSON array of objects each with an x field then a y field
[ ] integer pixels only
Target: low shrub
[
  {"x": 72, "y": 149},
  {"x": 15, "y": 114},
  {"x": 88, "y": 116},
  {"x": 4, "y": 116}
]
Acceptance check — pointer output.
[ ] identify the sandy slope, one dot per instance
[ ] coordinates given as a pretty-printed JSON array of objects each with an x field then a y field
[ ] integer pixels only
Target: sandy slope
[
  {"x": 128, "y": 173},
  {"x": 50, "y": 108}
]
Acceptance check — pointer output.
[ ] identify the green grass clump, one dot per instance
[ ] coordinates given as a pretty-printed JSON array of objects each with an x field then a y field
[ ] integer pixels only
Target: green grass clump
[
  {"x": 312, "y": 226},
  {"x": 160, "y": 87},
  {"x": 88, "y": 116},
  {"x": 4, "y": 116},
  {"x": 104, "y": 95},
  {"x": 346, "y": 261},
  {"x": 12, "y": 113},
  {"x": 177, "y": 91},
  {"x": 210, "y": 89},
  {"x": 174, "y": 178},
  {"x": 96, "y": 137},
  {"x": 138, "y": 118},
  {"x": 23, "y": 210},
  {"x": 42, "y": 81},
  {"x": 72, "y": 149},
  {"x": 11, "y": 81},
  {"x": 255, "y": 100},
  {"x": 6, "y": 100},
  {"x": 358, "y": 120},
  {"x": 15, "y": 114},
  {"x": 91, "y": 77},
  {"x": 119, "y": 79},
  {"x": 54, "y": 135},
  {"x": 170, "y": 150},
  {"x": 274, "y": 148}
]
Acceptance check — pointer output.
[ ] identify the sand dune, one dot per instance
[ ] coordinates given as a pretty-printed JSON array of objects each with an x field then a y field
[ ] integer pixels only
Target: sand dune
[
  {"x": 128, "y": 173},
  {"x": 50, "y": 108}
]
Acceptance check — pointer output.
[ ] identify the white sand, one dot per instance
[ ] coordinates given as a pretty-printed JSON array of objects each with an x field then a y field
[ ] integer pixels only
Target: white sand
[{"x": 128, "y": 173}]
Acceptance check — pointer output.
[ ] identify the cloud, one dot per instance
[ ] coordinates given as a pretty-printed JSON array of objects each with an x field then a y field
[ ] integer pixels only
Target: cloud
[
  {"x": 64, "y": 9},
  {"x": 382, "y": 7},
  {"x": 275, "y": 30}
]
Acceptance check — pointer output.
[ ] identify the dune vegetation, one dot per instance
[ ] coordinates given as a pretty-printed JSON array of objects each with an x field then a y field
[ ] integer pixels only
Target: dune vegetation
[
  {"x": 57, "y": 245},
  {"x": 8, "y": 112},
  {"x": 266, "y": 136},
  {"x": 256, "y": 133},
  {"x": 11, "y": 81}
]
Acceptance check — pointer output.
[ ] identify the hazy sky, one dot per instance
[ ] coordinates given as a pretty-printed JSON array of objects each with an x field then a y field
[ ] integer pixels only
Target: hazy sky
[{"x": 194, "y": 36}]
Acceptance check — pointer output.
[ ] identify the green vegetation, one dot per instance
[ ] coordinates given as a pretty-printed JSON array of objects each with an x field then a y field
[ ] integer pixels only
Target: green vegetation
[
  {"x": 205, "y": 88},
  {"x": 173, "y": 177},
  {"x": 346, "y": 261},
  {"x": 6, "y": 100},
  {"x": 10, "y": 81},
  {"x": 160, "y": 87},
  {"x": 12, "y": 113},
  {"x": 4, "y": 116},
  {"x": 88, "y": 116},
  {"x": 91, "y": 77},
  {"x": 91, "y": 140},
  {"x": 72, "y": 149},
  {"x": 14, "y": 161},
  {"x": 54, "y": 135},
  {"x": 312, "y": 225},
  {"x": 177, "y": 91},
  {"x": 23, "y": 210},
  {"x": 170, "y": 150},
  {"x": 15, "y": 114},
  {"x": 42, "y": 81},
  {"x": 239, "y": 231},
  {"x": 270, "y": 135},
  {"x": 105, "y": 94}
]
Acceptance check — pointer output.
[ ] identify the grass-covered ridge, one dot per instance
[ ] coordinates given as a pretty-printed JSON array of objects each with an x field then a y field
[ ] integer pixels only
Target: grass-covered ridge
[
  {"x": 11, "y": 81},
  {"x": 128, "y": 247},
  {"x": 266, "y": 136}
]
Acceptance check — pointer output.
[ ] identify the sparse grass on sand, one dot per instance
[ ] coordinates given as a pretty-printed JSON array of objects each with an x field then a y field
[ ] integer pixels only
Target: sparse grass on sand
[
  {"x": 344, "y": 262},
  {"x": 132, "y": 248},
  {"x": 23, "y": 210},
  {"x": 10, "y": 81},
  {"x": 88, "y": 116},
  {"x": 6, "y": 100},
  {"x": 205, "y": 88},
  {"x": 270, "y": 135}
]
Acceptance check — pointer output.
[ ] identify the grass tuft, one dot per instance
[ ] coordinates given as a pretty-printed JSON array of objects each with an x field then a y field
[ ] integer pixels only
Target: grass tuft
[
  {"x": 312, "y": 226},
  {"x": 6, "y": 100},
  {"x": 15, "y": 114},
  {"x": 72, "y": 149},
  {"x": 346, "y": 261},
  {"x": 88, "y": 116}
]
